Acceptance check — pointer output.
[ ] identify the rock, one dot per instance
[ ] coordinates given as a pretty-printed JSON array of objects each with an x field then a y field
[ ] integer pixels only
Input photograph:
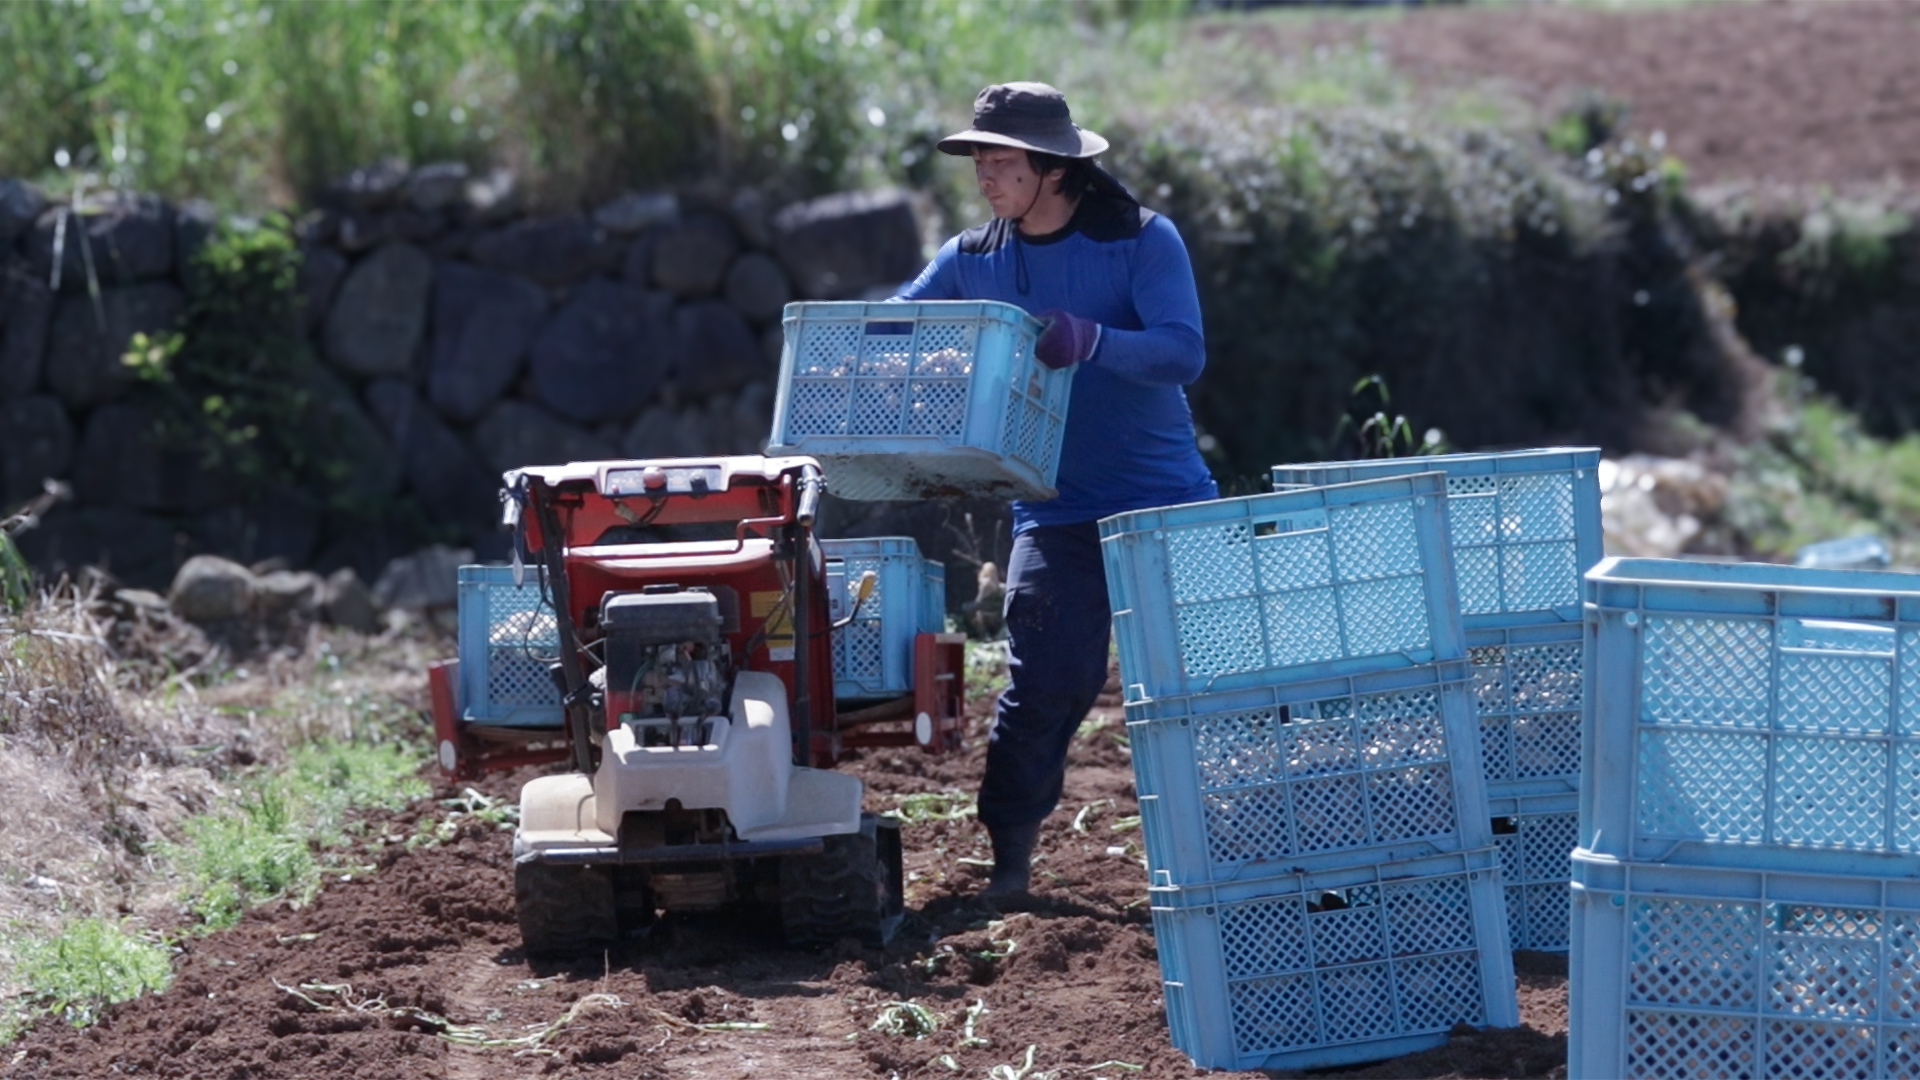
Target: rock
[
  {"x": 750, "y": 214},
  {"x": 513, "y": 434},
  {"x": 690, "y": 257},
  {"x": 839, "y": 245},
  {"x": 84, "y": 365},
  {"x": 364, "y": 230},
  {"x": 718, "y": 351},
  {"x": 633, "y": 212},
  {"x": 321, "y": 269},
  {"x": 752, "y": 419},
  {"x": 445, "y": 477},
  {"x": 36, "y": 443},
  {"x": 602, "y": 355},
  {"x": 194, "y": 223},
  {"x": 369, "y": 471},
  {"x": 288, "y": 595},
  {"x": 491, "y": 198},
  {"x": 637, "y": 267},
  {"x": 210, "y": 589},
  {"x": 653, "y": 434},
  {"x": 425, "y": 579},
  {"x": 20, "y": 204},
  {"x": 773, "y": 341},
  {"x": 436, "y": 186},
  {"x": 483, "y": 321},
  {"x": 375, "y": 187},
  {"x": 757, "y": 287},
  {"x": 129, "y": 239},
  {"x": 120, "y": 463},
  {"x": 381, "y": 312},
  {"x": 23, "y": 340},
  {"x": 455, "y": 243},
  {"x": 135, "y": 549},
  {"x": 280, "y": 524},
  {"x": 348, "y": 602},
  {"x": 552, "y": 251}
]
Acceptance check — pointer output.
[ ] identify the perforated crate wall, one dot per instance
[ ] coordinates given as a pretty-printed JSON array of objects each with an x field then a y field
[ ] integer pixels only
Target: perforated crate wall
[
  {"x": 873, "y": 655},
  {"x": 1685, "y": 972},
  {"x": 1528, "y": 690},
  {"x": 1243, "y": 592},
  {"x": 909, "y": 400},
  {"x": 507, "y": 638},
  {"x": 1524, "y": 525},
  {"x": 1535, "y": 836},
  {"x": 1308, "y": 775},
  {"x": 1757, "y": 715},
  {"x": 1311, "y": 970}
]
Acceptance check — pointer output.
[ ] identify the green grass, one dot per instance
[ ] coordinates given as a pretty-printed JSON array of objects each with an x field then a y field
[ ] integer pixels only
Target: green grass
[
  {"x": 250, "y": 101},
  {"x": 270, "y": 843},
  {"x": 91, "y": 964}
]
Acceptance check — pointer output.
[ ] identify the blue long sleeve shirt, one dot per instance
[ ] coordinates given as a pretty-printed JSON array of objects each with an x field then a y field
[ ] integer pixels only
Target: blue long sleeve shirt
[{"x": 1129, "y": 441}]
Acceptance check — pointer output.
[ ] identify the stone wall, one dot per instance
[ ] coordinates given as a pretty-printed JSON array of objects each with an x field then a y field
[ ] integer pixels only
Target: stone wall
[{"x": 459, "y": 338}]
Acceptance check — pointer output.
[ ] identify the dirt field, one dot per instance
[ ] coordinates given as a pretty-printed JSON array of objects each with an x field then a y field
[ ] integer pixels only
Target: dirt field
[
  {"x": 358, "y": 983},
  {"x": 1815, "y": 92}
]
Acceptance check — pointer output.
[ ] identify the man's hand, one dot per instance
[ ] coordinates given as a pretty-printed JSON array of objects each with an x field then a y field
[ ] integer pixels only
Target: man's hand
[{"x": 1067, "y": 339}]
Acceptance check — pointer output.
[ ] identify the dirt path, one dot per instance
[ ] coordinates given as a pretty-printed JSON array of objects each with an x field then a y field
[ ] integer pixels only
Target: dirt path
[{"x": 363, "y": 982}]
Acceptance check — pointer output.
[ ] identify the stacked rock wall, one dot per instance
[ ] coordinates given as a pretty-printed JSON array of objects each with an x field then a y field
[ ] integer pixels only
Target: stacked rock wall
[{"x": 458, "y": 338}]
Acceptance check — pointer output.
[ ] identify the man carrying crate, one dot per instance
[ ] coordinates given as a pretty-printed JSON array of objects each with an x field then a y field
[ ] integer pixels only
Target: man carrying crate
[{"x": 1113, "y": 284}]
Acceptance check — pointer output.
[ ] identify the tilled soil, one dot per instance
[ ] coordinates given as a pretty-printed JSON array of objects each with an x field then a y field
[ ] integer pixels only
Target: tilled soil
[
  {"x": 412, "y": 969},
  {"x": 1813, "y": 92}
]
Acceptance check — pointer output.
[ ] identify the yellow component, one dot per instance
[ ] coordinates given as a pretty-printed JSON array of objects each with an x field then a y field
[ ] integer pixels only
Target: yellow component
[{"x": 865, "y": 589}]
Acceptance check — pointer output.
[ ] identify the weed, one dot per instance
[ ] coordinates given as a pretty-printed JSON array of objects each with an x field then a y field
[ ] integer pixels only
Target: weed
[
  {"x": 986, "y": 668},
  {"x": 91, "y": 964},
  {"x": 935, "y": 806},
  {"x": 906, "y": 1020}
]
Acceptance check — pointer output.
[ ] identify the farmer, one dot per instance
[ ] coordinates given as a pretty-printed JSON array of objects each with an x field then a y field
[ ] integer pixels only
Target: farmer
[{"x": 1111, "y": 281}]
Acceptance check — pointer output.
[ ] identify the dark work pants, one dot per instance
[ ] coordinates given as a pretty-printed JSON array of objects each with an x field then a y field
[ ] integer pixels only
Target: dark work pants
[{"x": 1057, "y": 631}]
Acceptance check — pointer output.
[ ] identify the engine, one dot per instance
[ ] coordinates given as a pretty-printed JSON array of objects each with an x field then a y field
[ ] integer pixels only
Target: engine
[{"x": 668, "y": 666}]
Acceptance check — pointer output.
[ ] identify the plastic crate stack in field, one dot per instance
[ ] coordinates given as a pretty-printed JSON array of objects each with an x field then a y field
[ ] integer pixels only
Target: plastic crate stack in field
[
  {"x": 1524, "y": 526},
  {"x": 911, "y": 400},
  {"x": 873, "y": 654},
  {"x": 1747, "y": 889},
  {"x": 508, "y": 637},
  {"x": 1300, "y": 713},
  {"x": 1535, "y": 836}
]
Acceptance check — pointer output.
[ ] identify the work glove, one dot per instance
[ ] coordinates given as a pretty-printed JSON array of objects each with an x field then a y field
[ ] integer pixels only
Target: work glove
[{"x": 1066, "y": 340}]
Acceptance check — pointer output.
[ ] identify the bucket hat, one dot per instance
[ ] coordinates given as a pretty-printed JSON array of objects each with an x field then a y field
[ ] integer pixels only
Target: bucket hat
[{"x": 1027, "y": 116}]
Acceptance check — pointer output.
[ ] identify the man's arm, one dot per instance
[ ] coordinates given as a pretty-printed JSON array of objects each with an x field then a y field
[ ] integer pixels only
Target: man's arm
[
  {"x": 1170, "y": 348},
  {"x": 941, "y": 278}
]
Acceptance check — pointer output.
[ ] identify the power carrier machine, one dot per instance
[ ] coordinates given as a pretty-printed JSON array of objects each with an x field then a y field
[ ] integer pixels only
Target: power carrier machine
[{"x": 694, "y": 672}]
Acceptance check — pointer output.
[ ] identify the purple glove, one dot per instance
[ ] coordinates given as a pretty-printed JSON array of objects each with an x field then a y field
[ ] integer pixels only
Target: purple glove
[{"x": 1067, "y": 339}]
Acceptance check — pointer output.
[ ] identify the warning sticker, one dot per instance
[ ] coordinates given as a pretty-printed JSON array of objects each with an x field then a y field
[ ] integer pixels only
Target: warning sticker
[{"x": 779, "y": 623}]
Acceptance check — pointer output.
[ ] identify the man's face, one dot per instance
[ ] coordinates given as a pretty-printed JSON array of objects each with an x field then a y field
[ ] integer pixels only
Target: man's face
[{"x": 1006, "y": 178}]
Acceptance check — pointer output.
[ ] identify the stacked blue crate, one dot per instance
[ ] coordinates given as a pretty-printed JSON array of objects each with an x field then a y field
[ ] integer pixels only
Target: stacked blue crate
[
  {"x": 873, "y": 654},
  {"x": 508, "y": 640},
  {"x": 1524, "y": 526},
  {"x": 1747, "y": 897},
  {"x": 1300, "y": 711}
]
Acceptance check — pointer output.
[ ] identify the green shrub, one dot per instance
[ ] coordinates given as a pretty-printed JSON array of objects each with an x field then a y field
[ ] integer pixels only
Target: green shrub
[{"x": 91, "y": 964}]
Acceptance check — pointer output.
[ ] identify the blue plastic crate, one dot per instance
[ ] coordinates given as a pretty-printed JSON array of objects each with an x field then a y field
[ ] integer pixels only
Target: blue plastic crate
[
  {"x": 1535, "y": 836},
  {"x": 1679, "y": 972},
  {"x": 1305, "y": 971},
  {"x": 873, "y": 655},
  {"x": 1245, "y": 592},
  {"x": 1309, "y": 775},
  {"x": 1529, "y": 689},
  {"x": 508, "y": 638},
  {"x": 1755, "y": 716},
  {"x": 910, "y": 400},
  {"x": 1525, "y": 525}
]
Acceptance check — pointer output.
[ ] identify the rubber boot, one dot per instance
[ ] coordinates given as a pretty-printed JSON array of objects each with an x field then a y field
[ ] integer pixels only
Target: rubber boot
[{"x": 1012, "y": 856}]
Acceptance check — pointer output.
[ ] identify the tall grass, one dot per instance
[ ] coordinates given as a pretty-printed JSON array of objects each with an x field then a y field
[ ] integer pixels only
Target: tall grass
[{"x": 249, "y": 101}]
